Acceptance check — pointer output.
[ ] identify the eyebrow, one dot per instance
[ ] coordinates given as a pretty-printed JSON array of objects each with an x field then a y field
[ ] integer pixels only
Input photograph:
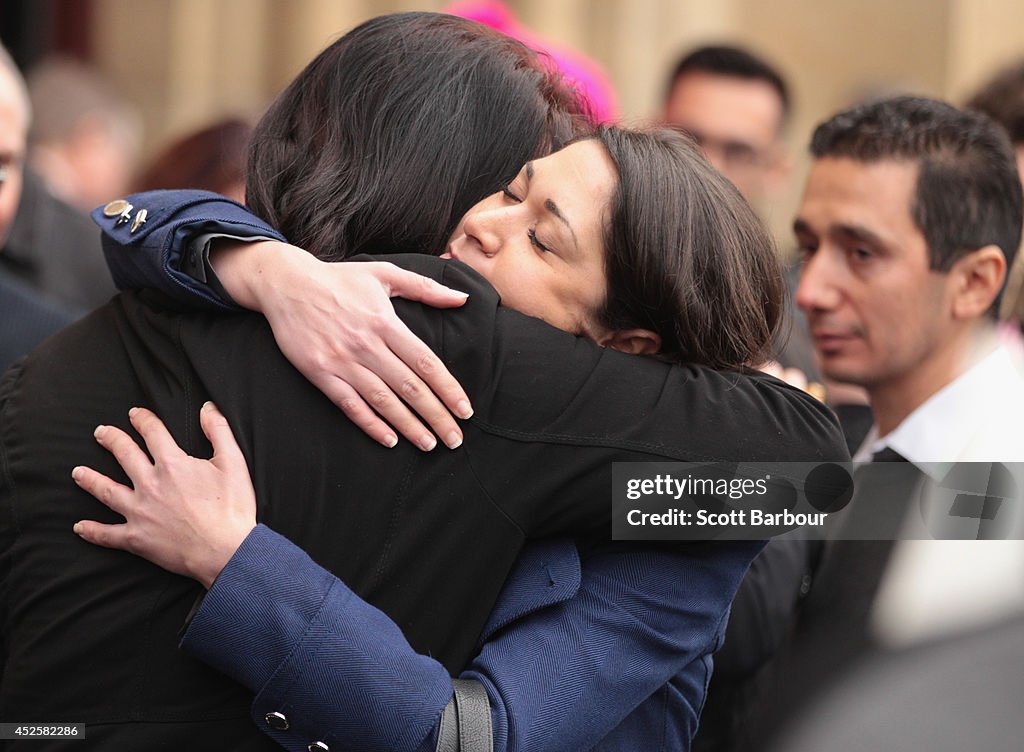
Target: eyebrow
[
  {"x": 552, "y": 207},
  {"x": 849, "y": 232}
]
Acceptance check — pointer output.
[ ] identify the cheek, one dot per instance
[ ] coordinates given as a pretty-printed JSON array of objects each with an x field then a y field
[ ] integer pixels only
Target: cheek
[
  {"x": 533, "y": 290},
  {"x": 903, "y": 320},
  {"x": 10, "y": 192}
]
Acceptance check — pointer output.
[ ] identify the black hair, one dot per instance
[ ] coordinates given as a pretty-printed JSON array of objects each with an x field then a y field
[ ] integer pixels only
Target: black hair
[
  {"x": 968, "y": 192},
  {"x": 725, "y": 60},
  {"x": 394, "y": 131},
  {"x": 686, "y": 256}
]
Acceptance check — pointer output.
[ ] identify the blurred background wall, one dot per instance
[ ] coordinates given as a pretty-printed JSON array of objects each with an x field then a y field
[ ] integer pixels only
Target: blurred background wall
[{"x": 188, "y": 62}]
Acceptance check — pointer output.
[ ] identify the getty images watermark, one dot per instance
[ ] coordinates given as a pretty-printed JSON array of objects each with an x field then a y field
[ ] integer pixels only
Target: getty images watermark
[{"x": 880, "y": 501}]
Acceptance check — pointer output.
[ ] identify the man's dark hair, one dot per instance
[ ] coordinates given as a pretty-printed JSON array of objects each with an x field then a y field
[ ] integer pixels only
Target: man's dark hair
[
  {"x": 1002, "y": 99},
  {"x": 968, "y": 191},
  {"x": 724, "y": 60}
]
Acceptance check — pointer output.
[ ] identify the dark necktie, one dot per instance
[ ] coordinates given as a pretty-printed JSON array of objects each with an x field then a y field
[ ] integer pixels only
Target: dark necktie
[{"x": 887, "y": 454}]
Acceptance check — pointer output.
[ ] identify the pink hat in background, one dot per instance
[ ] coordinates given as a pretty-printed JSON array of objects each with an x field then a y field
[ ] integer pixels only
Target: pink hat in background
[{"x": 584, "y": 73}]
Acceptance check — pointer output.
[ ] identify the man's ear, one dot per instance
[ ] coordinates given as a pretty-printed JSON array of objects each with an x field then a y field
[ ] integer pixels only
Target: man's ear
[
  {"x": 632, "y": 341},
  {"x": 977, "y": 279}
]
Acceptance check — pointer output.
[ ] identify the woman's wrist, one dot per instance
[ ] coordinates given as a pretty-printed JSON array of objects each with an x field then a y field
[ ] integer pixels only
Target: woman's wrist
[
  {"x": 246, "y": 269},
  {"x": 207, "y": 568}
]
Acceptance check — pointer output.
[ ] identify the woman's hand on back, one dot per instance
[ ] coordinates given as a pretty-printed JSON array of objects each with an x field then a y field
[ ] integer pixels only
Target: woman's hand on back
[
  {"x": 335, "y": 323},
  {"x": 184, "y": 514}
]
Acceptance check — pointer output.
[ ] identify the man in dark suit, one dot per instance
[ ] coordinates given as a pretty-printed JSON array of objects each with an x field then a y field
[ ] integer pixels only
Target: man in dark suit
[{"x": 910, "y": 218}]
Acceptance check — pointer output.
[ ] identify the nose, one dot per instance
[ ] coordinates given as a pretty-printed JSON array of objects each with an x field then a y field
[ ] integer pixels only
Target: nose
[
  {"x": 486, "y": 224},
  {"x": 818, "y": 288}
]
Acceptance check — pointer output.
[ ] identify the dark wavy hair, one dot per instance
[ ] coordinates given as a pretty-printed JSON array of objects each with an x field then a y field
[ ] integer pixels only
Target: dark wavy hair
[
  {"x": 393, "y": 132},
  {"x": 686, "y": 256}
]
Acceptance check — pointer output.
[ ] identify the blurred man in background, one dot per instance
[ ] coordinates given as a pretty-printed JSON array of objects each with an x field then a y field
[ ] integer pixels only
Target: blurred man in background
[
  {"x": 85, "y": 138},
  {"x": 52, "y": 245},
  {"x": 1002, "y": 99},
  {"x": 735, "y": 105},
  {"x": 26, "y": 318}
]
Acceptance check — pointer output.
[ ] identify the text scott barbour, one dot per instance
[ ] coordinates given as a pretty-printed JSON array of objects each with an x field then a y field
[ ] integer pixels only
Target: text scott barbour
[
  {"x": 732, "y": 517},
  {"x": 699, "y": 501}
]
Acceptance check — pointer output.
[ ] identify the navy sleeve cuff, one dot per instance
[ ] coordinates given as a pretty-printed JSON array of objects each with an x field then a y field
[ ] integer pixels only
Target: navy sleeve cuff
[{"x": 261, "y": 604}]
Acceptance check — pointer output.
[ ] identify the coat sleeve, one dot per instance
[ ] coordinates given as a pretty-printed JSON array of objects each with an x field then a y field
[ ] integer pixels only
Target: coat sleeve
[
  {"x": 168, "y": 250},
  {"x": 640, "y": 629}
]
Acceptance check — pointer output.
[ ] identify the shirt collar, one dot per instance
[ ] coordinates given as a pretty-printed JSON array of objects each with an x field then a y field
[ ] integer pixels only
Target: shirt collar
[{"x": 927, "y": 436}]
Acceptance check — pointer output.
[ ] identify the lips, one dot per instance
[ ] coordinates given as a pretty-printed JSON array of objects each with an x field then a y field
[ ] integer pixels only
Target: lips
[{"x": 830, "y": 340}]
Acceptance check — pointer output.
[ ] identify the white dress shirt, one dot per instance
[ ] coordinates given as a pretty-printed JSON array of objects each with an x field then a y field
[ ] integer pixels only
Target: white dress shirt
[{"x": 933, "y": 587}]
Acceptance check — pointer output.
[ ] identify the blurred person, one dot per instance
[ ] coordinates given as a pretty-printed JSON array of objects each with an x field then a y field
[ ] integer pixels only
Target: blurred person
[
  {"x": 961, "y": 692},
  {"x": 26, "y": 318},
  {"x": 735, "y": 105},
  {"x": 209, "y": 159},
  {"x": 85, "y": 137},
  {"x": 910, "y": 217},
  {"x": 51, "y": 246},
  {"x": 265, "y": 421},
  {"x": 1002, "y": 99}
]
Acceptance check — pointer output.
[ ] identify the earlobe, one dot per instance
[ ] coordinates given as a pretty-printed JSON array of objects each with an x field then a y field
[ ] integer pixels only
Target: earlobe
[
  {"x": 980, "y": 276},
  {"x": 632, "y": 341}
]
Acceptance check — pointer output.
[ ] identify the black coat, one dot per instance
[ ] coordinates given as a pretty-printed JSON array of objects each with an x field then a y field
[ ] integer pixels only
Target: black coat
[{"x": 429, "y": 538}]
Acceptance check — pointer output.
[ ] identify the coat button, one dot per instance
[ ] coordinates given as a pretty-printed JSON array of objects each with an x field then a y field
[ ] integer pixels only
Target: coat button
[
  {"x": 277, "y": 721},
  {"x": 318, "y": 747},
  {"x": 116, "y": 208}
]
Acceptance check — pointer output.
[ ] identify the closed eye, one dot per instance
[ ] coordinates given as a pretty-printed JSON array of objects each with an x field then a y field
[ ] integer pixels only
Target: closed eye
[
  {"x": 532, "y": 234},
  {"x": 507, "y": 192}
]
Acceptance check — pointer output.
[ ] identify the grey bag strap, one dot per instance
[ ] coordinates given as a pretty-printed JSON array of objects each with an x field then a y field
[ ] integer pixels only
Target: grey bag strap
[{"x": 466, "y": 720}]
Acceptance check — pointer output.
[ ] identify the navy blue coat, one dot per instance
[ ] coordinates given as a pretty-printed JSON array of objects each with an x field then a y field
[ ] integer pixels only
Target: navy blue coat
[{"x": 615, "y": 655}]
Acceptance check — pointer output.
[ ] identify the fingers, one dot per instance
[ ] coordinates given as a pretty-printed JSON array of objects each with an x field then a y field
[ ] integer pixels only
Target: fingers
[
  {"x": 108, "y": 536},
  {"x": 217, "y": 430},
  {"x": 412, "y": 286},
  {"x": 438, "y": 380},
  {"x": 114, "y": 495},
  {"x": 421, "y": 359},
  {"x": 159, "y": 442},
  {"x": 366, "y": 400},
  {"x": 360, "y": 413},
  {"x": 127, "y": 453},
  {"x": 415, "y": 396}
]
